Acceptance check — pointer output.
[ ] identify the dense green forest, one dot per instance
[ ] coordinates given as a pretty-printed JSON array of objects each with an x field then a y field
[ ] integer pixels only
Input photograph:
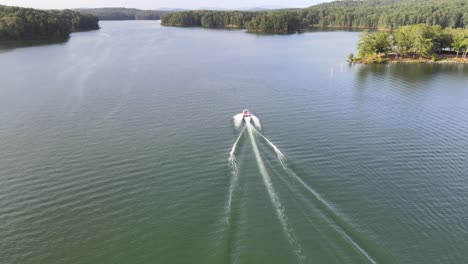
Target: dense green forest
[
  {"x": 421, "y": 41},
  {"x": 119, "y": 13},
  {"x": 383, "y": 14},
  {"x": 18, "y": 23},
  {"x": 209, "y": 19}
]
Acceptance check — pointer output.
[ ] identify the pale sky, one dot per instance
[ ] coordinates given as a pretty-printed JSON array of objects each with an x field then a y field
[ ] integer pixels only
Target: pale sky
[{"x": 154, "y": 4}]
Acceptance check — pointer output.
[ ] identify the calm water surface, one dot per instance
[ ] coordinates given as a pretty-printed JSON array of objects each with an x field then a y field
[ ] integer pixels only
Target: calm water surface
[{"x": 114, "y": 148}]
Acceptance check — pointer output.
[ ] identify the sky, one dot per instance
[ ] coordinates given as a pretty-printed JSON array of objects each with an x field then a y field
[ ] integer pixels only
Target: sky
[{"x": 154, "y": 4}]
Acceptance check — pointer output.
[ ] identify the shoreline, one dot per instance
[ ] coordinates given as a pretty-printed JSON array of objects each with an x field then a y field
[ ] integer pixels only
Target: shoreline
[
  {"x": 398, "y": 59},
  {"x": 304, "y": 29}
]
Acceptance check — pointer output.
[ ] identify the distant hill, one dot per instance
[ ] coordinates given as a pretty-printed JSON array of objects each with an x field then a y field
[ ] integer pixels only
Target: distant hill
[
  {"x": 170, "y": 9},
  {"x": 120, "y": 13},
  {"x": 262, "y": 8},
  {"x": 245, "y": 8},
  {"x": 18, "y": 23}
]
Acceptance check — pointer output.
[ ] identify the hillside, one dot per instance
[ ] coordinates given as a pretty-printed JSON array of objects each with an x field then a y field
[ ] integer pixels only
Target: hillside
[{"x": 383, "y": 14}]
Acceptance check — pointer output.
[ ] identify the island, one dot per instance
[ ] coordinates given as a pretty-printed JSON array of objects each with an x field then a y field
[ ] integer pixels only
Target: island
[
  {"x": 413, "y": 44},
  {"x": 374, "y": 14},
  {"x": 18, "y": 23}
]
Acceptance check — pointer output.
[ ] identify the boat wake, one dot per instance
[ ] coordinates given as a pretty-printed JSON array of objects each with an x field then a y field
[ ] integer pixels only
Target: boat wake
[
  {"x": 274, "y": 198},
  {"x": 279, "y": 154},
  {"x": 234, "y": 172},
  {"x": 238, "y": 120},
  {"x": 246, "y": 121}
]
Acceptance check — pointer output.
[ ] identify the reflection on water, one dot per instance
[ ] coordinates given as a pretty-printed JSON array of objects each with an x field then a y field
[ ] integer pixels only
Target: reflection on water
[
  {"x": 409, "y": 72},
  {"x": 333, "y": 29},
  {"x": 6, "y": 46}
]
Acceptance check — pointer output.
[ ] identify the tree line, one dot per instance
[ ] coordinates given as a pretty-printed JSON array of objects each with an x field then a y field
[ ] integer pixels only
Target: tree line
[
  {"x": 209, "y": 19},
  {"x": 18, "y": 23},
  {"x": 383, "y": 14},
  {"x": 419, "y": 40},
  {"x": 118, "y": 13},
  {"x": 275, "y": 21}
]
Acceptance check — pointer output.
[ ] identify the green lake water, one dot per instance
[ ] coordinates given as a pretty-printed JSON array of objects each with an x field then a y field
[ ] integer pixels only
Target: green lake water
[{"x": 114, "y": 148}]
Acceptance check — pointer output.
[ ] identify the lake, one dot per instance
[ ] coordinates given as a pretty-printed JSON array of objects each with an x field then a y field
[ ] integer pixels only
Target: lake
[{"x": 115, "y": 147}]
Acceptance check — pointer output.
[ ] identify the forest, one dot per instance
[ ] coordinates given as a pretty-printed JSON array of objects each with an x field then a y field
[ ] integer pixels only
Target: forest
[
  {"x": 119, "y": 13},
  {"x": 381, "y": 14},
  {"x": 209, "y": 19},
  {"x": 415, "y": 41},
  {"x": 18, "y": 23}
]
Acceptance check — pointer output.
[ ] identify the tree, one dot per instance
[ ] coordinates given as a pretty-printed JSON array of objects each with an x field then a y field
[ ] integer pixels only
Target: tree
[
  {"x": 420, "y": 40},
  {"x": 423, "y": 40},
  {"x": 373, "y": 43},
  {"x": 366, "y": 44},
  {"x": 459, "y": 40},
  {"x": 403, "y": 40}
]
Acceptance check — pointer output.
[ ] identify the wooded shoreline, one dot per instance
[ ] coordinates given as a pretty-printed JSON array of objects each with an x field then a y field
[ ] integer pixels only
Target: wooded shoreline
[
  {"x": 398, "y": 59},
  {"x": 20, "y": 24},
  {"x": 375, "y": 14},
  {"x": 413, "y": 44}
]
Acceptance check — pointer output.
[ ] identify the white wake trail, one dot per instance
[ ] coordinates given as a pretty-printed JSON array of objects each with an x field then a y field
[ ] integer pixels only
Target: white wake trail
[
  {"x": 280, "y": 155},
  {"x": 237, "y": 120},
  {"x": 256, "y": 122},
  {"x": 282, "y": 159},
  {"x": 274, "y": 198},
  {"x": 290, "y": 172},
  {"x": 234, "y": 171},
  {"x": 232, "y": 156},
  {"x": 333, "y": 210}
]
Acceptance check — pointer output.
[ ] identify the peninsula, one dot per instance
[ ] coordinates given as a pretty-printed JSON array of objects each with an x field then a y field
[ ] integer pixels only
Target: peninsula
[
  {"x": 413, "y": 44},
  {"x": 18, "y": 23}
]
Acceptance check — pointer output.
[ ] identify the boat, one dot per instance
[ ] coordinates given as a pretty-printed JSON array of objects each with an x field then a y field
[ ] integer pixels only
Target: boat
[{"x": 246, "y": 117}]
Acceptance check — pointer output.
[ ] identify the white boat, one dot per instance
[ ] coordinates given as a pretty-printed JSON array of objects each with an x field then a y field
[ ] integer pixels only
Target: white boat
[{"x": 246, "y": 114}]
